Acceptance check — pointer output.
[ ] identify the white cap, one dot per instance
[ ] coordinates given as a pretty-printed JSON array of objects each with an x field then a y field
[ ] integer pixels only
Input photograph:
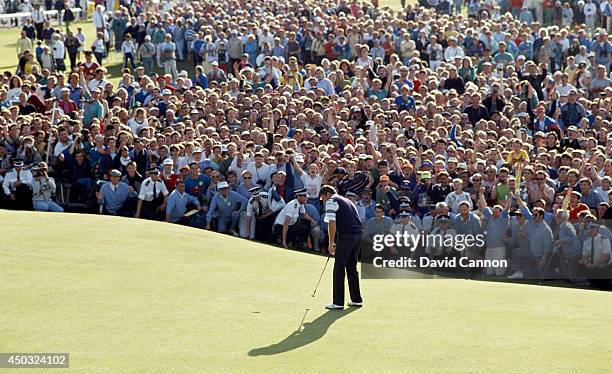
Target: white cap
[
  {"x": 222, "y": 185},
  {"x": 166, "y": 91},
  {"x": 168, "y": 161}
]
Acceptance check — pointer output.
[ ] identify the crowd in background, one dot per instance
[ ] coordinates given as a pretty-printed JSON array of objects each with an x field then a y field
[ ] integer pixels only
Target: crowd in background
[{"x": 231, "y": 116}]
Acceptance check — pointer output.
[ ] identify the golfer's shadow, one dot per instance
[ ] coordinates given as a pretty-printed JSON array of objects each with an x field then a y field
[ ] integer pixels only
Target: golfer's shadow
[{"x": 311, "y": 332}]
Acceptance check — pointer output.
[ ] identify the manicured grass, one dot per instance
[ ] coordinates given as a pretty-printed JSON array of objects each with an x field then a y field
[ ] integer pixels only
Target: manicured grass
[{"x": 126, "y": 295}]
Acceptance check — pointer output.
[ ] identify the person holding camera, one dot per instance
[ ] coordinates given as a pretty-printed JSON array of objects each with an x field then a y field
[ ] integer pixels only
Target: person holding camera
[
  {"x": 43, "y": 189},
  {"x": 261, "y": 172},
  {"x": 264, "y": 209}
]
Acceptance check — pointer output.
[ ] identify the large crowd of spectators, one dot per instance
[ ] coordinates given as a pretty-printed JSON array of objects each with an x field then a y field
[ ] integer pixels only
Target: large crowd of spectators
[{"x": 230, "y": 116}]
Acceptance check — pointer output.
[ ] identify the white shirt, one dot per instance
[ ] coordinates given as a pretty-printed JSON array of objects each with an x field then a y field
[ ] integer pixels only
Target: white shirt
[
  {"x": 589, "y": 10},
  {"x": 293, "y": 210},
  {"x": 312, "y": 185},
  {"x": 453, "y": 200},
  {"x": 128, "y": 47},
  {"x": 253, "y": 205},
  {"x": 146, "y": 189},
  {"x": 263, "y": 174},
  {"x": 61, "y": 147},
  {"x": 135, "y": 126},
  {"x": 58, "y": 49},
  {"x": 38, "y": 16},
  {"x": 98, "y": 19},
  {"x": 602, "y": 247},
  {"x": 94, "y": 83},
  {"x": 25, "y": 176},
  {"x": 452, "y": 52}
]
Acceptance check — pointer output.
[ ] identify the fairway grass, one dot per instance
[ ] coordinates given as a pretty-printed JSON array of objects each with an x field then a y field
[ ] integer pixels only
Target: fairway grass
[{"x": 126, "y": 295}]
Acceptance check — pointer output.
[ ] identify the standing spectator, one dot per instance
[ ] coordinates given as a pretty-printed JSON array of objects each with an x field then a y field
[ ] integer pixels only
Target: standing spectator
[
  {"x": 59, "y": 53},
  {"x": 128, "y": 49},
  {"x": 147, "y": 53},
  {"x": 168, "y": 56}
]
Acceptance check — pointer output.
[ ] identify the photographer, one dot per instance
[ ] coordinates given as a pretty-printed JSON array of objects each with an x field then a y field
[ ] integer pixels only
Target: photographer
[
  {"x": 43, "y": 188},
  {"x": 264, "y": 210}
]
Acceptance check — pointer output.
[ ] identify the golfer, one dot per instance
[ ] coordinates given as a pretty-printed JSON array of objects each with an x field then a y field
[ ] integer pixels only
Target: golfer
[{"x": 342, "y": 218}]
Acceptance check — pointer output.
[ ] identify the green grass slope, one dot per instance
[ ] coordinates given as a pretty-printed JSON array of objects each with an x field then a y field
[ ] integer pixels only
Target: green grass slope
[{"x": 125, "y": 295}]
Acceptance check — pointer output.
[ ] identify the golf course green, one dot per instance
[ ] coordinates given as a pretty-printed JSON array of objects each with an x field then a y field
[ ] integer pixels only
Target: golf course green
[{"x": 126, "y": 295}]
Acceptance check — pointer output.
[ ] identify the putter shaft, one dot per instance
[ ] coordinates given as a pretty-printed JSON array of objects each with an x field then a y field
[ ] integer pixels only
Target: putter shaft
[{"x": 321, "y": 277}]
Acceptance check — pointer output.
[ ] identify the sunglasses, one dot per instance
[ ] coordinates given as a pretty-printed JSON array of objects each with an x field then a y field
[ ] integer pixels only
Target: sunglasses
[{"x": 247, "y": 178}]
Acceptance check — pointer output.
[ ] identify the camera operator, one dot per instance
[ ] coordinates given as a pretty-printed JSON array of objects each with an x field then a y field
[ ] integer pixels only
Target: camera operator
[
  {"x": 264, "y": 209},
  {"x": 43, "y": 188}
]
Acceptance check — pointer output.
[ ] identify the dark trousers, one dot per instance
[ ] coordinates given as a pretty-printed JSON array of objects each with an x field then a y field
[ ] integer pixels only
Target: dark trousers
[
  {"x": 23, "y": 198},
  {"x": 347, "y": 251},
  {"x": 39, "y": 29},
  {"x": 263, "y": 228},
  {"x": 297, "y": 234},
  {"x": 73, "y": 58},
  {"x": 149, "y": 209}
]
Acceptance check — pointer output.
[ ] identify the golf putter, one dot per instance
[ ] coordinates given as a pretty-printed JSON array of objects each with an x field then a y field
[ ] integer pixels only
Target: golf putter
[{"x": 323, "y": 272}]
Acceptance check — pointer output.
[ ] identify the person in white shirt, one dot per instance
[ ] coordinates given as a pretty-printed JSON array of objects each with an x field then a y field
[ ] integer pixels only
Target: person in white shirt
[
  {"x": 596, "y": 262},
  {"x": 454, "y": 198},
  {"x": 312, "y": 179},
  {"x": 261, "y": 207},
  {"x": 453, "y": 50},
  {"x": 128, "y": 49},
  {"x": 39, "y": 20},
  {"x": 260, "y": 171},
  {"x": 590, "y": 11},
  {"x": 292, "y": 224},
  {"x": 405, "y": 225},
  {"x": 17, "y": 186},
  {"x": 152, "y": 197},
  {"x": 59, "y": 53},
  {"x": 98, "y": 18},
  {"x": 62, "y": 144}
]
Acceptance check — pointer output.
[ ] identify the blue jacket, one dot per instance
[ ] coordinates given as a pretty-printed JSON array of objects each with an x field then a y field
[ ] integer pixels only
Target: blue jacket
[
  {"x": 176, "y": 206},
  {"x": 225, "y": 208}
]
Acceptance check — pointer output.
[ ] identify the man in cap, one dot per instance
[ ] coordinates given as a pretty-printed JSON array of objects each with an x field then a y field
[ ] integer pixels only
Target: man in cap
[
  {"x": 260, "y": 207},
  {"x": 344, "y": 235},
  {"x": 147, "y": 53},
  {"x": 179, "y": 203},
  {"x": 226, "y": 208},
  {"x": 443, "y": 245},
  {"x": 596, "y": 263},
  {"x": 292, "y": 224},
  {"x": 152, "y": 197},
  {"x": 17, "y": 186},
  {"x": 168, "y": 56},
  {"x": 168, "y": 175},
  {"x": 43, "y": 189},
  {"x": 405, "y": 225},
  {"x": 421, "y": 196},
  {"x": 113, "y": 196}
]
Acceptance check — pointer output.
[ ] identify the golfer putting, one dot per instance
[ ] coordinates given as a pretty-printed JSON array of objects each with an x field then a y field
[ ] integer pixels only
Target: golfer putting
[{"x": 344, "y": 230}]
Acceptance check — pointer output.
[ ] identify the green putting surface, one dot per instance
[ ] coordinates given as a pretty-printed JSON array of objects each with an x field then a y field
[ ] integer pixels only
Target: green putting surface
[{"x": 126, "y": 295}]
